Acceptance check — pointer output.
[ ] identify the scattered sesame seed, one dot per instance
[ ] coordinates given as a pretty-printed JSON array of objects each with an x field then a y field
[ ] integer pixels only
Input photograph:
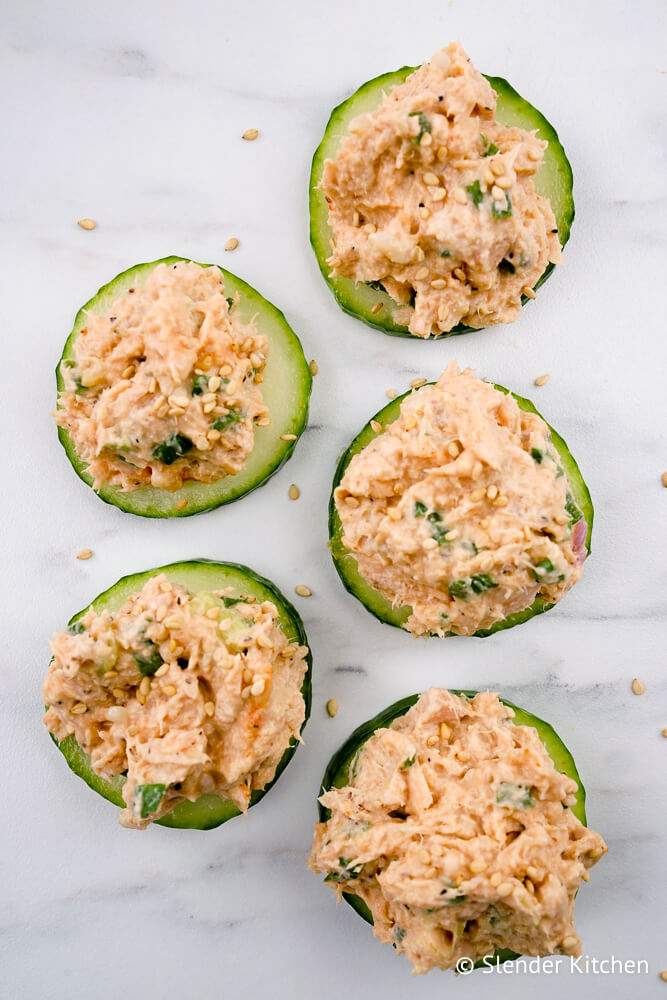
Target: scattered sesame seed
[
  {"x": 504, "y": 182},
  {"x": 500, "y": 502},
  {"x": 302, "y": 590},
  {"x": 438, "y": 194},
  {"x": 78, "y": 709},
  {"x": 438, "y": 283},
  {"x": 288, "y": 437},
  {"x": 429, "y": 543},
  {"x": 231, "y": 243},
  {"x": 145, "y": 686},
  {"x": 245, "y": 693},
  {"x": 116, "y": 713},
  {"x": 504, "y": 889},
  {"x": 492, "y": 491},
  {"x": 87, "y": 224},
  {"x": 118, "y": 693},
  {"x": 453, "y": 449},
  {"x": 542, "y": 379},
  {"x": 637, "y": 686},
  {"x": 214, "y": 383},
  {"x": 391, "y": 394},
  {"x": 258, "y": 687},
  {"x": 497, "y": 168},
  {"x": 332, "y": 707},
  {"x": 169, "y": 690},
  {"x": 432, "y": 741},
  {"x": 209, "y": 708},
  {"x": 460, "y": 196},
  {"x": 424, "y": 213},
  {"x": 432, "y": 180},
  {"x": 182, "y": 504},
  {"x": 376, "y": 308},
  {"x": 445, "y": 732},
  {"x": 129, "y": 371},
  {"x": 376, "y": 426},
  {"x": 84, "y": 554},
  {"x": 250, "y": 134},
  {"x": 161, "y": 671},
  {"x": 417, "y": 383},
  {"x": 314, "y": 367},
  {"x": 452, "y": 535},
  {"x": 459, "y": 273},
  {"x": 528, "y": 292},
  {"x": 294, "y": 492}
]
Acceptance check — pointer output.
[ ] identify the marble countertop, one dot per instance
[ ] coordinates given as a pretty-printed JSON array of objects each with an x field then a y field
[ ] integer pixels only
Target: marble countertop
[{"x": 131, "y": 114}]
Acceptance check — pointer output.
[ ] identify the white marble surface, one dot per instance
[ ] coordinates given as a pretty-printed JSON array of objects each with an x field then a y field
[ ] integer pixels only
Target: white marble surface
[{"x": 131, "y": 113}]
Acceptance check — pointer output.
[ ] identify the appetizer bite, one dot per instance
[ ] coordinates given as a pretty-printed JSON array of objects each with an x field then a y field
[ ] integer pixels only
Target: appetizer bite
[
  {"x": 439, "y": 200},
  {"x": 454, "y": 822},
  {"x": 458, "y": 511},
  {"x": 180, "y": 388},
  {"x": 179, "y": 694}
]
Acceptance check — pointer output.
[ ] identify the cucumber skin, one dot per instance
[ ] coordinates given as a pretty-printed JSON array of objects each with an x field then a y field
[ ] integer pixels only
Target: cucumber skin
[
  {"x": 318, "y": 213},
  {"x": 212, "y": 811},
  {"x": 339, "y": 552},
  {"x": 124, "y": 501},
  {"x": 343, "y": 756}
]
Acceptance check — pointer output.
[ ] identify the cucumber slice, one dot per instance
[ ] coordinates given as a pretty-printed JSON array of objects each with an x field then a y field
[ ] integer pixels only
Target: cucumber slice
[
  {"x": 337, "y": 775},
  {"x": 553, "y": 180},
  {"x": 286, "y": 390},
  {"x": 196, "y": 575},
  {"x": 372, "y": 599}
]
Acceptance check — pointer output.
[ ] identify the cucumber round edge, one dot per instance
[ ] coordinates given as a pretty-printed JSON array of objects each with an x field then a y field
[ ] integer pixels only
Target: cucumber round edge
[
  {"x": 346, "y": 564},
  {"x": 337, "y": 774},
  {"x": 209, "y": 811},
  {"x": 553, "y": 180},
  {"x": 269, "y": 451}
]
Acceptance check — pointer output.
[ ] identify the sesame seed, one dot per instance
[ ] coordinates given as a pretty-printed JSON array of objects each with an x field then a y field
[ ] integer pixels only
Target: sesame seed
[
  {"x": 182, "y": 504},
  {"x": 492, "y": 491},
  {"x": 78, "y": 709},
  {"x": 391, "y": 394},
  {"x": 141, "y": 698},
  {"x": 118, "y": 693},
  {"x": 250, "y": 134},
  {"x": 497, "y": 168},
  {"x": 637, "y": 686},
  {"x": 663, "y": 479},
  {"x": 129, "y": 372},
  {"x": 376, "y": 426},
  {"x": 500, "y": 502},
  {"x": 429, "y": 543},
  {"x": 460, "y": 196},
  {"x": 477, "y": 866},
  {"x": 452, "y": 535},
  {"x": 427, "y": 139},
  {"x": 453, "y": 449},
  {"x": 421, "y": 273},
  {"x": 477, "y": 495},
  {"x": 504, "y": 889},
  {"x": 231, "y": 243},
  {"x": 459, "y": 273},
  {"x": 432, "y": 180},
  {"x": 84, "y": 554},
  {"x": 294, "y": 492},
  {"x": 542, "y": 379},
  {"x": 87, "y": 224},
  {"x": 314, "y": 367},
  {"x": 438, "y": 194},
  {"x": 288, "y": 437},
  {"x": 424, "y": 213},
  {"x": 445, "y": 732},
  {"x": 438, "y": 283},
  {"x": 169, "y": 690},
  {"x": 209, "y": 708},
  {"x": 432, "y": 741},
  {"x": 377, "y": 308},
  {"x": 504, "y": 182},
  {"x": 245, "y": 693},
  {"x": 528, "y": 292},
  {"x": 332, "y": 707},
  {"x": 258, "y": 687},
  {"x": 226, "y": 370},
  {"x": 302, "y": 590},
  {"x": 214, "y": 383},
  {"x": 161, "y": 671},
  {"x": 116, "y": 713},
  {"x": 442, "y": 154},
  {"x": 417, "y": 383}
]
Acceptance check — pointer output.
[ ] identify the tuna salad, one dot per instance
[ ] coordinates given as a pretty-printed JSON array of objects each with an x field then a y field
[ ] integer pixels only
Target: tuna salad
[
  {"x": 456, "y": 832},
  {"x": 164, "y": 386},
  {"x": 432, "y": 198},
  {"x": 185, "y": 694},
  {"x": 461, "y": 509}
]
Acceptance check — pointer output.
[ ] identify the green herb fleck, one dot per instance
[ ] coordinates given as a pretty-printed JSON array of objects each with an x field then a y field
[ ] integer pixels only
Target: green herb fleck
[
  {"x": 458, "y": 588},
  {"x": 481, "y": 582},
  {"x": 230, "y": 302},
  {"x": 175, "y": 446},
  {"x": 347, "y": 872},
  {"x": 537, "y": 454},
  {"x": 76, "y": 628},
  {"x": 199, "y": 385},
  {"x": 229, "y": 602},
  {"x": 229, "y": 420},
  {"x": 377, "y": 285},
  {"x": 150, "y": 797},
  {"x": 150, "y": 661},
  {"x": 420, "y": 509},
  {"x": 457, "y": 899},
  {"x": 445, "y": 253},
  {"x": 490, "y": 148},
  {"x": 476, "y": 193},
  {"x": 408, "y": 762},
  {"x": 434, "y": 516},
  {"x": 399, "y": 934},
  {"x": 439, "y": 533},
  {"x": 80, "y": 387},
  {"x": 572, "y": 510},
  {"x": 424, "y": 124},
  {"x": 502, "y": 213},
  {"x": 542, "y": 568},
  {"x": 514, "y": 796}
]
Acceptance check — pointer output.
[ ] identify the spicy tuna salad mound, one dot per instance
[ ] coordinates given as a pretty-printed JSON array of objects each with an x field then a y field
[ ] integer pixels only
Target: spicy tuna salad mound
[
  {"x": 434, "y": 199},
  {"x": 460, "y": 509},
  {"x": 164, "y": 387},
  {"x": 186, "y": 694},
  {"x": 456, "y": 832}
]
